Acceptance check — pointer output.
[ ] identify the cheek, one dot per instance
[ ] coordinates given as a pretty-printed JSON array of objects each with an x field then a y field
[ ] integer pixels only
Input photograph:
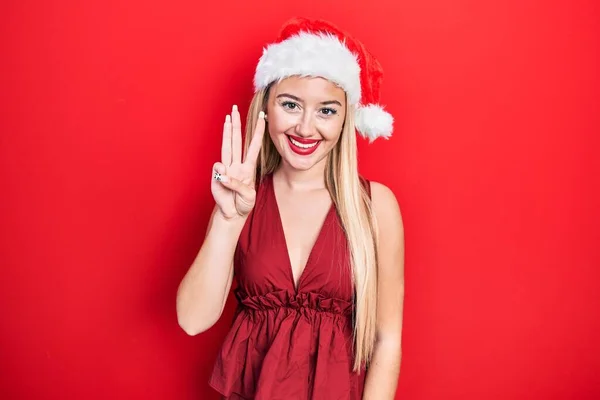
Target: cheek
[
  {"x": 275, "y": 130},
  {"x": 279, "y": 120},
  {"x": 333, "y": 130},
  {"x": 273, "y": 134}
]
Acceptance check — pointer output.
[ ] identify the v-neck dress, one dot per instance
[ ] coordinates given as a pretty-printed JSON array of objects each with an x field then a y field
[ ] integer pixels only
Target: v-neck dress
[{"x": 289, "y": 342}]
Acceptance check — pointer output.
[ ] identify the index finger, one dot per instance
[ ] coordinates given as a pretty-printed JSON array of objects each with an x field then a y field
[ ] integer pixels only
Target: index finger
[{"x": 257, "y": 138}]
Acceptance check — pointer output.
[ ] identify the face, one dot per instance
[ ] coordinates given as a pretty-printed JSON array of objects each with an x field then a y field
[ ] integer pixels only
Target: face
[{"x": 305, "y": 118}]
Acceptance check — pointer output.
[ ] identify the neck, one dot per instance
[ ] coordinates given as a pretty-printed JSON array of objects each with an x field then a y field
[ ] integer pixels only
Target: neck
[{"x": 313, "y": 178}]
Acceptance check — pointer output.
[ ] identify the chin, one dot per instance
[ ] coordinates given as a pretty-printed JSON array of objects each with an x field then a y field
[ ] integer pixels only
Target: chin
[{"x": 301, "y": 165}]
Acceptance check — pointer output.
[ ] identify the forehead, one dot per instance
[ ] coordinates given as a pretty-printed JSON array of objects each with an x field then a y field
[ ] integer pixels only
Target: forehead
[{"x": 310, "y": 88}]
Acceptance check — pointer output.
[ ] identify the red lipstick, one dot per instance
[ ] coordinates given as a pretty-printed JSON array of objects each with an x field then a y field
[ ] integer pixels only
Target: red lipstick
[{"x": 308, "y": 146}]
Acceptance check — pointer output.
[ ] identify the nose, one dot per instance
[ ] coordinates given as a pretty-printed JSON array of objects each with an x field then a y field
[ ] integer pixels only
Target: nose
[{"x": 306, "y": 126}]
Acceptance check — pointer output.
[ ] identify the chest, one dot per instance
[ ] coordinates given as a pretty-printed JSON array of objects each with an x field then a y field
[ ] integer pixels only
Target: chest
[
  {"x": 295, "y": 244},
  {"x": 302, "y": 220}
]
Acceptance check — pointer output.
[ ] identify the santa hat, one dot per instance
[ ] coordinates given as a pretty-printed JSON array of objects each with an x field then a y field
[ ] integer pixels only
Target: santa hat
[{"x": 317, "y": 48}]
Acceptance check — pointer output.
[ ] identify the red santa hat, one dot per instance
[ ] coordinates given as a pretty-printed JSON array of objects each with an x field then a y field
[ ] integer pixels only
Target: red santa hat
[{"x": 308, "y": 47}]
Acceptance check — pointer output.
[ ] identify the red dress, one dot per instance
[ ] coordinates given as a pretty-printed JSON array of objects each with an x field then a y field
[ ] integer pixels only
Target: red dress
[{"x": 286, "y": 342}]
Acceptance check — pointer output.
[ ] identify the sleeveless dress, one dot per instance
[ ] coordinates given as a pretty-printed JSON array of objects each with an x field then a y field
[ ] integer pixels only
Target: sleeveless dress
[{"x": 289, "y": 342}]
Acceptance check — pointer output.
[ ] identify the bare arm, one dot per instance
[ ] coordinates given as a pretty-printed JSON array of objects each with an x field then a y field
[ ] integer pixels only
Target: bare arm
[
  {"x": 203, "y": 291},
  {"x": 382, "y": 376}
]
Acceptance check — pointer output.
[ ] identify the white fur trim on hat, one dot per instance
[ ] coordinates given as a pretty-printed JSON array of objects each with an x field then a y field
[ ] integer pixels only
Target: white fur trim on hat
[
  {"x": 310, "y": 54},
  {"x": 372, "y": 122}
]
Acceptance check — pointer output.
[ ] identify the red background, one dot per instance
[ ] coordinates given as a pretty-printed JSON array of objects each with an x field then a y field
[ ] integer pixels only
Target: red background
[{"x": 110, "y": 122}]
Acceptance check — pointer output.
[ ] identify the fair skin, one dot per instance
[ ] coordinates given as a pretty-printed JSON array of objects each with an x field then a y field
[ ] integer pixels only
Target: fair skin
[
  {"x": 306, "y": 109},
  {"x": 309, "y": 109},
  {"x": 382, "y": 375}
]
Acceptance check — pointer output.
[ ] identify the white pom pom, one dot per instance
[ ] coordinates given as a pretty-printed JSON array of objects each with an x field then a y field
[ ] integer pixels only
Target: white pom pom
[{"x": 373, "y": 122}]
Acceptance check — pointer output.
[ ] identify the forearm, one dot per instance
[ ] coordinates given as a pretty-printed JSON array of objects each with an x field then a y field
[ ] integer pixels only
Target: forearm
[
  {"x": 381, "y": 380},
  {"x": 203, "y": 291}
]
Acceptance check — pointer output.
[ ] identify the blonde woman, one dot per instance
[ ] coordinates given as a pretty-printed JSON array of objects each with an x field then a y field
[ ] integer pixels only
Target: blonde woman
[{"x": 317, "y": 251}]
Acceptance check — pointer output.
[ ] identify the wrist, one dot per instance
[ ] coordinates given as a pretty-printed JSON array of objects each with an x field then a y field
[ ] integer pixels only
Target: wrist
[{"x": 229, "y": 223}]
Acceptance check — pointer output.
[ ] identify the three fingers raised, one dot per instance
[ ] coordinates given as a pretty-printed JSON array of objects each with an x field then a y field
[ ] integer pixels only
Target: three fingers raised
[{"x": 231, "y": 148}]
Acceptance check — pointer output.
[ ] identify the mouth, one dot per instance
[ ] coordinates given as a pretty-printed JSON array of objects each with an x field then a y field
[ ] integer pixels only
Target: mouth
[{"x": 302, "y": 146}]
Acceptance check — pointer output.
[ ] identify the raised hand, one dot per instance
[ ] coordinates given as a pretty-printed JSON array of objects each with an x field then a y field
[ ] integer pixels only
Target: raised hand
[{"x": 232, "y": 183}]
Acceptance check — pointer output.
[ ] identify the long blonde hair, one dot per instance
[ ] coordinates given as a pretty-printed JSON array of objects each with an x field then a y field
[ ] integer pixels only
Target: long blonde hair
[{"x": 354, "y": 209}]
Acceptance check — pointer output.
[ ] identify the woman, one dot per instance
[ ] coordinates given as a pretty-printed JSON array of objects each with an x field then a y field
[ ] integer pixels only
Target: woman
[{"x": 317, "y": 251}]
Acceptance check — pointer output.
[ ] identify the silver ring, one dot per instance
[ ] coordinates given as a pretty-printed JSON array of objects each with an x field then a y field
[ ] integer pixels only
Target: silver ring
[{"x": 217, "y": 176}]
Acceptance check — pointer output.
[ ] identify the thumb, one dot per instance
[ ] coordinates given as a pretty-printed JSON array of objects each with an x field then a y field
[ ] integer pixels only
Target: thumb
[
  {"x": 219, "y": 172},
  {"x": 219, "y": 168}
]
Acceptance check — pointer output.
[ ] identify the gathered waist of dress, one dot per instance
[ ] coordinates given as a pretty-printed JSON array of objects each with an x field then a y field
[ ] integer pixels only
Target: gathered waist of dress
[{"x": 302, "y": 301}]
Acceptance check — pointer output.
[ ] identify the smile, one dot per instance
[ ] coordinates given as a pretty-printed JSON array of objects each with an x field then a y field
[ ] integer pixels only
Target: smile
[{"x": 302, "y": 146}]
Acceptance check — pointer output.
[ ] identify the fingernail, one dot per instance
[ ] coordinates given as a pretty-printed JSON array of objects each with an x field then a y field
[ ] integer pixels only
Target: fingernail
[
  {"x": 221, "y": 178},
  {"x": 228, "y": 118},
  {"x": 235, "y": 108},
  {"x": 261, "y": 114}
]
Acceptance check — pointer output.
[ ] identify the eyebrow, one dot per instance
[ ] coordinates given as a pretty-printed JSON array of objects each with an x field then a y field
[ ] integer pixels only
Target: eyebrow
[{"x": 300, "y": 100}]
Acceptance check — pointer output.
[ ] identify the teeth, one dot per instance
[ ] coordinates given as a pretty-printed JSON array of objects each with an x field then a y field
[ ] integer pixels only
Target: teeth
[{"x": 302, "y": 145}]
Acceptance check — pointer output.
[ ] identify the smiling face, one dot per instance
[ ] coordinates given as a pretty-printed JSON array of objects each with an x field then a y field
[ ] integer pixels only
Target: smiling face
[{"x": 305, "y": 119}]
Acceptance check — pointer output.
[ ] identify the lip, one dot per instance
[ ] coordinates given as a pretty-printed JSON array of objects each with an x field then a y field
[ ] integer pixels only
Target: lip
[
  {"x": 299, "y": 150},
  {"x": 303, "y": 140}
]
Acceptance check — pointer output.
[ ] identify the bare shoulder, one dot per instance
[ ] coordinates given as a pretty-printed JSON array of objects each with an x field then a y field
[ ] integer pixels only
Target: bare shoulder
[
  {"x": 386, "y": 208},
  {"x": 390, "y": 246}
]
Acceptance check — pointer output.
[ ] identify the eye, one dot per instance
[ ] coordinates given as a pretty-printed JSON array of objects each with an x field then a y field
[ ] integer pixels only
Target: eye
[
  {"x": 329, "y": 111},
  {"x": 290, "y": 105}
]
